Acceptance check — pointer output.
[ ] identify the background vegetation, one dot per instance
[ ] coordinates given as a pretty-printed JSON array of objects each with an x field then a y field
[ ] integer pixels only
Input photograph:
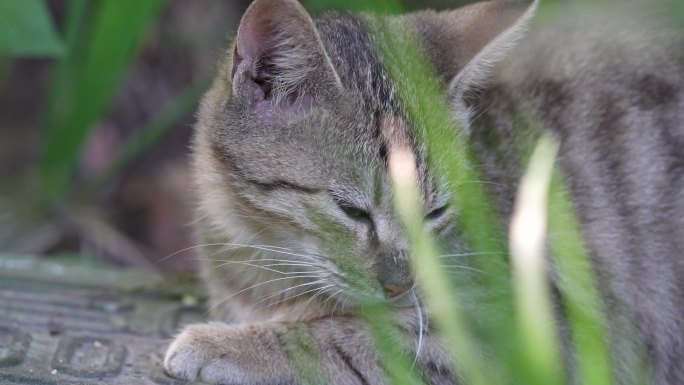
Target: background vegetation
[
  {"x": 96, "y": 101},
  {"x": 96, "y": 111}
]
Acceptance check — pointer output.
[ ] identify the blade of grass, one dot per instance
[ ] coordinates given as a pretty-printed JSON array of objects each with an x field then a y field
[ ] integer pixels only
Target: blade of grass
[
  {"x": 337, "y": 241},
  {"x": 421, "y": 242},
  {"x": 116, "y": 31},
  {"x": 450, "y": 156},
  {"x": 433, "y": 282},
  {"x": 64, "y": 73},
  {"x": 395, "y": 362},
  {"x": 302, "y": 350},
  {"x": 536, "y": 324},
  {"x": 578, "y": 285},
  {"x": 26, "y": 29}
]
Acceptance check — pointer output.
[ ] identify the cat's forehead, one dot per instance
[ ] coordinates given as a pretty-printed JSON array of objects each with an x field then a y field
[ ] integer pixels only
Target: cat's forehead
[
  {"x": 369, "y": 90},
  {"x": 347, "y": 139},
  {"x": 351, "y": 49}
]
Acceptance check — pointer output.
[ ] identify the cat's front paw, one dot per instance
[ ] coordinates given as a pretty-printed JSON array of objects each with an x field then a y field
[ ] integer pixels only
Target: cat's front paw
[
  {"x": 222, "y": 354},
  {"x": 194, "y": 350}
]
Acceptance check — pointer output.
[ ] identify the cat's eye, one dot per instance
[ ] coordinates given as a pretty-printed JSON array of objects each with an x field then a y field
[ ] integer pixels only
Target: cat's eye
[
  {"x": 436, "y": 213},
  {"x": 354, "y": 212}
]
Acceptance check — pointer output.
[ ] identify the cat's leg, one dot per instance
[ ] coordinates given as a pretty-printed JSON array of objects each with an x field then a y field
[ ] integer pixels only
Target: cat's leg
[{"x": 330, "y": 350}]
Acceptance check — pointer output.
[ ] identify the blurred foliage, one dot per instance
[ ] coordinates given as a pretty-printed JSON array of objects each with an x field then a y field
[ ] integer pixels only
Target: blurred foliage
[
  {"x": 27, "y": 29},
  {"x": 89, "y": 56},
  {"x": 98, "y": 42},
  {"x": 88, "y": 79}
]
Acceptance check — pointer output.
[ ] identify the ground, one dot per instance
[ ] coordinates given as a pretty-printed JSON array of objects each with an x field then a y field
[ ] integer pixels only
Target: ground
[{"x": 66, "y": 324}]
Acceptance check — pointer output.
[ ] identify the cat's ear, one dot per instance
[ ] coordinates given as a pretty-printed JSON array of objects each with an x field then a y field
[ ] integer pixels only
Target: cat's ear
[
  {"x": 279, "y": 62},
  {"x": 473, "y": 38}
]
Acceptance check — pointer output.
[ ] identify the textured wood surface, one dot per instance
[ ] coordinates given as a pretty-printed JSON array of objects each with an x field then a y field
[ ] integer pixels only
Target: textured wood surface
[{"x": 63, "y": 324}]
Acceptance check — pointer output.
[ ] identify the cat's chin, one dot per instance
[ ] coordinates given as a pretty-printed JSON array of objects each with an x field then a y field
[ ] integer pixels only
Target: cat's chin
[{"x": 401, "y": 301}]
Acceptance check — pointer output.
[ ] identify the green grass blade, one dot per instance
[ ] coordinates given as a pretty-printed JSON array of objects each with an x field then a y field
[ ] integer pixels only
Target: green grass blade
[
  {"x": 26, "y": 29},
  {"x": 539, "y": 348},
  {"x": 64, "y": 74},
  {"x": 450, "y": 156},
  {"x": 338, "y": 241},
  {"x": 396, "y": 364},
  {"x": 434, "y": 284},
  {"x": 578, "y": 285},
  {"x": 117, "y": 28}
]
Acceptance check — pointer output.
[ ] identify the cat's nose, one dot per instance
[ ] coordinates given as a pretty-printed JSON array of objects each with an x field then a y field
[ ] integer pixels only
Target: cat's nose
[
  {"x": 394, "y": 273},
  {"x": 395, "y": 290}
]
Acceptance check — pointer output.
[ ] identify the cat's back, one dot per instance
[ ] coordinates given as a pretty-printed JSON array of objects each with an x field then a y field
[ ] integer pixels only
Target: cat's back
[
  {"x": 612, "y": 89},
  {"x": 593, "y": 65}
]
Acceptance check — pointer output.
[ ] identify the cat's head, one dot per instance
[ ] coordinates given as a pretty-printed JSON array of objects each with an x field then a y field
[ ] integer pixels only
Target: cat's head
[{"x": 293, "y": 140}]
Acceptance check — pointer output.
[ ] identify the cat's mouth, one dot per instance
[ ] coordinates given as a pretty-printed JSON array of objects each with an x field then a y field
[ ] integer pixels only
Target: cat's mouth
[{"x": 405, "y": 299}]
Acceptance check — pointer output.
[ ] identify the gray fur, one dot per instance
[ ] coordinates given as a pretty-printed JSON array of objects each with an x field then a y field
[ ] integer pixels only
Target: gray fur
[
  {"x": 313, "y": 156},
  {"x": 616, "y": 102}
]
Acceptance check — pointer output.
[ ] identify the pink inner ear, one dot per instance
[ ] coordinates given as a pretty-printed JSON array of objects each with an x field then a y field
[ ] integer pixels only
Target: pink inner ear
[
  {"x": 250, "y": 46},
  {"x": 252, "y": 59},
  {"x": 253, "y": 34},
  {"x": 282, "y": 113},
  {"x": 247, "y": 45}
]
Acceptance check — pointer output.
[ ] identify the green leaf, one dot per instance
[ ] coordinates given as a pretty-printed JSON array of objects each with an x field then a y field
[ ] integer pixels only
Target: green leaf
[
  {"x": 27, "y": 29},
  {"x": 97, "y": 68}
]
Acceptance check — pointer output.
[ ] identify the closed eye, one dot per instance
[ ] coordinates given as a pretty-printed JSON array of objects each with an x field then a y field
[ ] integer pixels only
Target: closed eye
[
  {"x": 436, "y": 213},
  {"x": 354, "y": 212}
]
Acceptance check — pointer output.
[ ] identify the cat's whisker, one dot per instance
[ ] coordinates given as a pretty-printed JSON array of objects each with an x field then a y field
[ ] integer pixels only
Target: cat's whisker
[
  {"x": 288, "y": 289},
  {"x": 419, "y": 315},
  {"x": 205, "y": 245},
  {"x": 344, "y": 303},
  {"x": 312, "y": 271},
  {"x": 322, "y": 290},
  {"x": 269, "y": 248},
  {"x": 480, "y": 182},
  {"x": 290, "y": 298},
  {"x": 257, "y": 285},
  {"x": 330, "y": 297},
  {"x": 337, "y": 303},
  {"x": 461, "y": 268},
  {"x": 290, "y": 264},
  {"x": 283, "y": 261},
  {"x": 252, "y": 266},
  {"x": 230, "y": 246},
  {"x": 279, "y": 251},
  {"x": 481, "y": 113},
  {"x": 187, "y": 249},
  {"x": 469, "y": 254},
  {"x": 254, "y": 261},
  {"x": 270, "y": 267}
]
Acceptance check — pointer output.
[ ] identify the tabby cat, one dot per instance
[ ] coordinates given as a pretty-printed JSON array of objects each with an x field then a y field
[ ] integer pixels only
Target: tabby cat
[{"x": 292, "y": 146}]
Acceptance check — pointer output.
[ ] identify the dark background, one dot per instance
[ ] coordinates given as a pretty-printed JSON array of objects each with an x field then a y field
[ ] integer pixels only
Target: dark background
[{"x": 140, "y": 212}]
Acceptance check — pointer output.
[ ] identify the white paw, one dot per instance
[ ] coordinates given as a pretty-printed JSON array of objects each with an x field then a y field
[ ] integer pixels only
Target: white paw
[{"x": 221, "y": 354}]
